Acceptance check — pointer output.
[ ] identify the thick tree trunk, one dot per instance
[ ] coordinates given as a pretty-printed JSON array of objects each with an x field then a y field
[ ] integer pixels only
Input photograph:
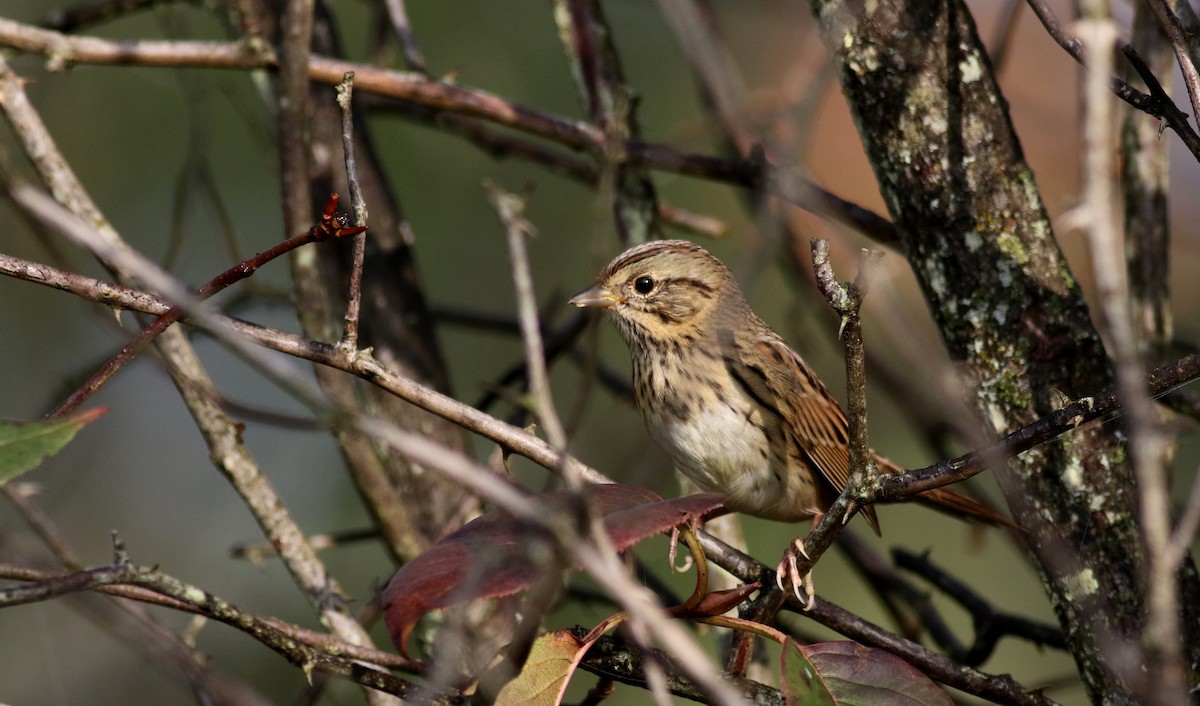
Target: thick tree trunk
[{"x": 938, "y": 135}]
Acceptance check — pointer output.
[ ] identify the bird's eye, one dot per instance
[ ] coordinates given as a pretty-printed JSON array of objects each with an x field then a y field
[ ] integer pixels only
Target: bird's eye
[{"x": 643, "y": 284}]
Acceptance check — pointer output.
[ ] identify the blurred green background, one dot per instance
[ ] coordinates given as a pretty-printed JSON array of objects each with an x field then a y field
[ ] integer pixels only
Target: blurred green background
[{"x": 135, "y": 134}]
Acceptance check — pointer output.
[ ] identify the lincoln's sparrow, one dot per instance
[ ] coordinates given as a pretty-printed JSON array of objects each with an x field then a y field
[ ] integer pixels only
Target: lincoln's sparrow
[{"x": 739, "y": 412}]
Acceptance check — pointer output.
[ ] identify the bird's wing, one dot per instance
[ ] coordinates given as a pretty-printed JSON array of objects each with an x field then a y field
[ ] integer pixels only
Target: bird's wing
[
  {"x": 779, "y": 380},
  {"x": 822, "y": 426}
]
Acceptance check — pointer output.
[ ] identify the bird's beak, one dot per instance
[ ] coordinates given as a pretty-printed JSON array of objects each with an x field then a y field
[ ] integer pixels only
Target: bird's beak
[{"x": 598, "y": 297}]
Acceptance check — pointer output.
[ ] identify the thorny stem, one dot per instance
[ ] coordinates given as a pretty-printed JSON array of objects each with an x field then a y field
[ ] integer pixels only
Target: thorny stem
[
  {"x": 510, "y": 208},
  {"x": 191, "y": 598},
  {"x": 846, "y": 300},
  {"x": 1147, "y": 440},
  {"x": 892, "y": 487}
]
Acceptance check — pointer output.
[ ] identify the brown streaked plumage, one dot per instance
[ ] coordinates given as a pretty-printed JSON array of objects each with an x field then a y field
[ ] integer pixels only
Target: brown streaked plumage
[{"x": 738, "y": 411}]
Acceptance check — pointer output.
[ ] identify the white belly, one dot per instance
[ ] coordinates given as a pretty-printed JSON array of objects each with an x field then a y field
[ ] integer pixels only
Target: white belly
[
  {"x": 716, "y": 448},
  {"x": 725, "y": 451}
]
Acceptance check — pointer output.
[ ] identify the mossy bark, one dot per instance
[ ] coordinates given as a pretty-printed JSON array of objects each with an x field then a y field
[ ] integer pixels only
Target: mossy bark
[{"x": 938, "y": 134}]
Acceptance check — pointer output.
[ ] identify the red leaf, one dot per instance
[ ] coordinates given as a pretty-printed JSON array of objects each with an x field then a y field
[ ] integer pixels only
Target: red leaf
[
  {"x": 630, "y": 526},
  {"x": 801, "y": 682},
  {"x": 717, "y": 602},
  {"x": 491, "y": 555},
  {"x": 844, "y": 673}
]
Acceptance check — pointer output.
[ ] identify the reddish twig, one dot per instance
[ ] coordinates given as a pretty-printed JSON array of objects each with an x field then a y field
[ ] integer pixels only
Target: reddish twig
[
  {"x": 333, "y": 224},
  {"x": 64, "y": 50}
]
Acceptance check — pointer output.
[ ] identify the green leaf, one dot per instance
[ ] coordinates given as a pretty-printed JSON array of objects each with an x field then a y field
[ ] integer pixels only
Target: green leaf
[
  {"x": 801, "y": 682},
  {"x": 543, "y": 679},
  {"x": 23, "y": 445}
]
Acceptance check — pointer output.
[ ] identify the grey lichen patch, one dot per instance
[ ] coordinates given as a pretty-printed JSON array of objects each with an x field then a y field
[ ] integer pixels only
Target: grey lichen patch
[
  {"x": 1081, "y": 585},
  {"x": 1073, "y": 475},
  {"x": 61, "y": 58},
  {"x": 1003, "y": 388},
  {"x": 861, "y": 59},
  {"x": 970, "y": 69},
  {"x": 1000, "y": 313},
  {"x": 624, "y": 662},
  {"x": 935, "y": 123},
  {"x": 977, "y": 313},
  {"x": 936, "y": 277},
  {"x": 977, "y": 130},
  {"x": 924, "y": 114},
  {"x": 195, "y": 596}
]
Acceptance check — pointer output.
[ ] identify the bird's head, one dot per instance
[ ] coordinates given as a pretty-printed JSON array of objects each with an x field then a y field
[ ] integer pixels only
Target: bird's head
[{"x": 661, "y": 290}]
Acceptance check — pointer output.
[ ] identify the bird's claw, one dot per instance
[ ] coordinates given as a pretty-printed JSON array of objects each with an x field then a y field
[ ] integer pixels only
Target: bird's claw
[
  {"x": 672, "y": 553},
  {"x": 787, "y": 566}
]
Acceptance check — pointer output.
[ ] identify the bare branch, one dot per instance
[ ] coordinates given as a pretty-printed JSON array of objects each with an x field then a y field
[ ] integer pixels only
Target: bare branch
[{"x": 449, "y": 97}]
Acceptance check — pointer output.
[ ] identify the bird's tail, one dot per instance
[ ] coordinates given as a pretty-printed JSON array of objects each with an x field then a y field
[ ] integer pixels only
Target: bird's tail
[
  {"x": 962, "y": 506},
  {"x": 952, "y": 502}
]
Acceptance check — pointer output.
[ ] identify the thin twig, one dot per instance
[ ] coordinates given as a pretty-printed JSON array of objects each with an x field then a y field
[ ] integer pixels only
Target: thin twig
[
  {"x": 510, "y": 208},
  {"x": 398, "y": 15},
  {"x": 893, "y": 487},
  {"x": 442, "y": 96},
  {"x": 329, "y": 227},
  {"x": 1150, "y": 104},
  {"x": 608, "y": 102},
  {"x": 1183, "y": 57},
  {"x": 989, "y": 623},
  {"x": 154, "y": 641},
  {"x": 345, "y": 95},
  {"x": 846, "y": 301},
  {"x": 998, "y": 688},
  {"x": 325, "y": 659},
  {"x": 499, "y": 145},
  {"x": 1097, "y": 216}
]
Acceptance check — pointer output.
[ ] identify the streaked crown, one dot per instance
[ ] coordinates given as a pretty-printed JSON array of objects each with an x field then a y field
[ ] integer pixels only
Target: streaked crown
[{"x": 661, "y": 289}]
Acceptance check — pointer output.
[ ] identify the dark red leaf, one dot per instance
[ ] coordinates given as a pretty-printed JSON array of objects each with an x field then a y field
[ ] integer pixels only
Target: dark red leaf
[
  {"x": 494, "y": 554},
  {"x": 848, "y": 674},
  {"x": 630, "y": 526},
  {"x": 801, "y": 682},
  {"x": 717, "y": 602}
]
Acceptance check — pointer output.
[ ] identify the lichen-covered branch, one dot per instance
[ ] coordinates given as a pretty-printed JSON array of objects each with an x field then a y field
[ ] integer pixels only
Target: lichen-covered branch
[{"x": 939, "y": 138}]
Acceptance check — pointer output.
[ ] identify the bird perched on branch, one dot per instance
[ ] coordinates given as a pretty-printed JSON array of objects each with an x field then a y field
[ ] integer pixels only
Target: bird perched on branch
[{"x": 738, "y": 411}]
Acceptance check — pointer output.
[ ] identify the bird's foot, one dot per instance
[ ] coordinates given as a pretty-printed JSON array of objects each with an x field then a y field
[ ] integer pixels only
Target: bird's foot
[
  {"x": 801, "y": 586},
  {"x": 673, "y": 552}
]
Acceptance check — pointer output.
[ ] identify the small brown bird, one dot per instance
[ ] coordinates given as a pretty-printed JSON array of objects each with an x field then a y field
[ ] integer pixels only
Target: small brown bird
[{"x": 738, "y": 411}]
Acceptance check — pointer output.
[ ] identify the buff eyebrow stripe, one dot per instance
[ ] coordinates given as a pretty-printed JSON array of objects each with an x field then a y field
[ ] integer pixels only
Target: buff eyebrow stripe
[{"x": 696, "y": 284}]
